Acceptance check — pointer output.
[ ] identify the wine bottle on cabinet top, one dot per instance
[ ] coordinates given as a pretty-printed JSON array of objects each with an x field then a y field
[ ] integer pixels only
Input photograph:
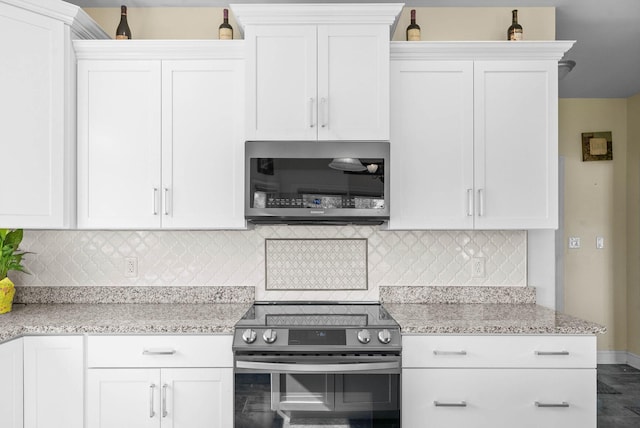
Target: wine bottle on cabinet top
[
  {"x": 225, "y": 31},
  {"x": 123, "y": 32},
  {"x": 413, "y": 30},
  {"x": 515, "y": 30}
]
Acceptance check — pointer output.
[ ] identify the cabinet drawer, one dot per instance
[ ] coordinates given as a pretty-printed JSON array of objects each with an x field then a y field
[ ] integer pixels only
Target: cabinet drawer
[
  {"x": 499, "y": 398},
  {"x": 499, "y": 351},
  {"x": 159, "y": 351}
]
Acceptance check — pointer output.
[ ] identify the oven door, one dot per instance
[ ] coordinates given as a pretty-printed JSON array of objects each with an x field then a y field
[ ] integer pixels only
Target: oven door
[{"x": 306, "y": 391}]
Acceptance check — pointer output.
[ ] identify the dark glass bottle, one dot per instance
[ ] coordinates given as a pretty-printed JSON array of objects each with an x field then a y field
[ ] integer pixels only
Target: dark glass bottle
[
  {"x": 515, "y": 30},
  {"x": 413, "y": 30},
  {"x": 225, "y": 31},
  {"x": 123, "y": 32}
]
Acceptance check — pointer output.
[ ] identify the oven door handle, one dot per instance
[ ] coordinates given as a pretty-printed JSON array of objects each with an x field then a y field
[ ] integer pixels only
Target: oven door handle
[{"x": 317, "y": 368}]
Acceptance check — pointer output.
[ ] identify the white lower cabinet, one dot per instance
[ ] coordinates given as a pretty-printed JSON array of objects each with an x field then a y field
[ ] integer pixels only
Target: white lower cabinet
[
  {"x": 11, "y": 385},
  {"x": 481, "y": 381},
  {"x": 496, "y": 398},
  {"x": 53, "y": 381},
  {"x": 159, "y": 382},
  {"x": 168, "y": 398}
]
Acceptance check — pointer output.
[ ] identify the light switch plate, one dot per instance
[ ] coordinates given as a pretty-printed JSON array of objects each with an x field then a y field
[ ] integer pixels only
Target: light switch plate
[
  {"x": 574, "y": 242},
  {"x": 599, "y": 242}
]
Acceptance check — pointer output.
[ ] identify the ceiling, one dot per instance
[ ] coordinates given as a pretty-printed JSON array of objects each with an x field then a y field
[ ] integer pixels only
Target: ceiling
[{"x": 607, "y": 51}]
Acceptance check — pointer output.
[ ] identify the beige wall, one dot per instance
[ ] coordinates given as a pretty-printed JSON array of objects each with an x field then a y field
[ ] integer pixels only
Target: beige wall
[
  {"x": 165, "y": 22},
  {"x": 477, "y": 23},
  {"x": 633, "y": 225},
  {"x": 595, "y": 205}
]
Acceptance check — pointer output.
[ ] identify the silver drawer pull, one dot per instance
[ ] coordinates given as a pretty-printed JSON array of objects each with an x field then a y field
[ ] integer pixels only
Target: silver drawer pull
[
  {"x": 563, "y": 404},
  {"x": 158, "y": 351},
  {"x": 552, "y": 352},
  {"x": 454, "y": 404},
  {"x": 436, "y": 352}
]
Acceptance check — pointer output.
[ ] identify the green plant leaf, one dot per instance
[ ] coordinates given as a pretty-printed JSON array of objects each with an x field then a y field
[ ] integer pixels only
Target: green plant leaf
[
  {"x": 14, "y": 238},
  {"x": 10, "y": 256}
]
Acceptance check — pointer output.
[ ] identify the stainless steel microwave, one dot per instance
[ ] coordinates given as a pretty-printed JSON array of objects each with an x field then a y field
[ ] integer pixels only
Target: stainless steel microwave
[{"x": 332, "y": 182}]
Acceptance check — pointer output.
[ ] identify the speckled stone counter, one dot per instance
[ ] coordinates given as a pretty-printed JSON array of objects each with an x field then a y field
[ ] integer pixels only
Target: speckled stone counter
[
  {"x": 121, "y": 318},
  {"x": 125, "y": 310},
  {"x": 486, "y": 318}
]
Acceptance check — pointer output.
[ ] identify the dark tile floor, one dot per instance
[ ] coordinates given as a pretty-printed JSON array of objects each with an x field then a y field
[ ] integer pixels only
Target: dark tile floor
[{"x": 618, "y": 396}]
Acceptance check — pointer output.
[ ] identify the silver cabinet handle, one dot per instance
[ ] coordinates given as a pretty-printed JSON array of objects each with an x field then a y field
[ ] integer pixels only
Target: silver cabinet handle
[
  {"x": 165, "y": 203},
  {"x": 481, "y": 202},
  {"x": 151, "y": 389},
  {"x": 311, "y": 118},
  {"x": 552, "y": 352},
  {"x": 562, "y": 404},
  {"x": 469, "y": 202},
  {"x": 436, "y": 352},
  {"x": 452, "y": 404},
  {"x": 164, "y": 400},
  {"x": 159, "y": 351},
  {"x": 154, "y": 201},
  {"x": 323, "y": 112}
]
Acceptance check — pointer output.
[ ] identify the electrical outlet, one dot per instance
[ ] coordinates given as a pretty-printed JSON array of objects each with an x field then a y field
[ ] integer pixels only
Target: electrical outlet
[
  {"x": 477, "y": 267},
  {"x": 574, "y": 242},
  {"x": 130, "y": 267}
]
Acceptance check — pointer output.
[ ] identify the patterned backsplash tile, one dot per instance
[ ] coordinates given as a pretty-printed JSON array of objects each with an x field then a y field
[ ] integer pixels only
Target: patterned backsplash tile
[
  {"x": 212, "y": 258},
  {"x": 316, "y": 264}
]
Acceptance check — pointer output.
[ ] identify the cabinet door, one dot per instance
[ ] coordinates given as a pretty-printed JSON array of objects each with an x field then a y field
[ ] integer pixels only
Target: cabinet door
[
  {"x": 202, "y": 144},
  {"x": 197, "y": 398},
  {"x": 431, "y": 145},
  {"x": 53, "y": 382},
  {"x": 34, "y": 142},
  {"x": 119, "y": 398},
  {"x": 516, "y": 144},
  {"x": 11, "y": 386},
  {"x": 499, "y": 398},
  {"x": 119, "y": 144},
  {"x": 353, "y": 82},
  {"x": 281, "y": 82}
]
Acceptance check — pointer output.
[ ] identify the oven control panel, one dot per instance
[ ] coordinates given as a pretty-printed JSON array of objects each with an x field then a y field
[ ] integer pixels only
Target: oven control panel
[{"x": 316, "y": 339}]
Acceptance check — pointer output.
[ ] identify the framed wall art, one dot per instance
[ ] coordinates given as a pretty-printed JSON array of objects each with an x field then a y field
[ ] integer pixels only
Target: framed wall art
[{"x": 597, "y": 146}]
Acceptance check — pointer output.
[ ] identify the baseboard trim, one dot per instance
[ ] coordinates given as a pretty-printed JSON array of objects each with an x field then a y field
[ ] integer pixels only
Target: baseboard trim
[
  {"x": 619, "y": 357},
  {"x": 633, "y": 360}
]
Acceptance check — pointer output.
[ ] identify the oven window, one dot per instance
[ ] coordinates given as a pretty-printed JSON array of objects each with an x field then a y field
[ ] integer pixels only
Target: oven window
[{"x": 280, "y": 400}]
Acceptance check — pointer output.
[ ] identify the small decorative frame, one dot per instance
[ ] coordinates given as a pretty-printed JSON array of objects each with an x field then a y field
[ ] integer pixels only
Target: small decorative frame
[{"x": 597, "y": 146}]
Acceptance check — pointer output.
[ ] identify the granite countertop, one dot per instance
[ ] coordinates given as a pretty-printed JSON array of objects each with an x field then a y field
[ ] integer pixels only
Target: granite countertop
[
  {"x": 215, "y": 310},
  {"x": 486, "y": 318},
  {"x": 121, "y": 318}
]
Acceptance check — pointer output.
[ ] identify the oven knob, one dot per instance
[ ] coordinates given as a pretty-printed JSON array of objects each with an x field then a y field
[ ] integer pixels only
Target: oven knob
[
  {"x": 364, "y": 336},
  {"x": 249, "y": 336},
  {"x": 384, "y": 336},
  {"x": 270, "y": 335}
]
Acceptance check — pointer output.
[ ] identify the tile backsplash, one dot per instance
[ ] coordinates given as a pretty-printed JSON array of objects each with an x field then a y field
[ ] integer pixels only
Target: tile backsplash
[{"x": 212, "y": 258}]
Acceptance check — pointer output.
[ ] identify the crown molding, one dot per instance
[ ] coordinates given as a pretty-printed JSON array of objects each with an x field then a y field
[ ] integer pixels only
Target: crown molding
[
  {"x": 480, "y": 50},
  {"x": 320, "y": 13},
  {"x": 82, "y": 26},
  {"x": 159, "y": 49}
]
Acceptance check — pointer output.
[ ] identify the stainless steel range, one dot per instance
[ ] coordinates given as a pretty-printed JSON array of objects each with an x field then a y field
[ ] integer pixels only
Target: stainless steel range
[{"x": 317, "y": 364}]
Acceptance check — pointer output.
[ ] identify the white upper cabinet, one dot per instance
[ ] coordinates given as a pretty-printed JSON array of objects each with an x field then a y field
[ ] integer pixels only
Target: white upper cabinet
[
  {"x": 37, "y": 106},
  {"x": 432, "y": 145},
  {"x": 317, "y": 72},
  {"x": 119, "y": 144},
  {"x": 160, "y": 139},
  {"x": 516, "y": 144},
  {"x": 474, "y": 135}
]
